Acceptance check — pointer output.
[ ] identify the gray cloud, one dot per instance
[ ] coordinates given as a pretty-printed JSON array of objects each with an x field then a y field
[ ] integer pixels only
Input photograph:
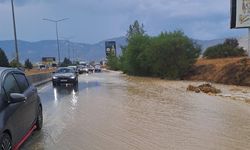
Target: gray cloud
[{"x": 94, "y": 20}]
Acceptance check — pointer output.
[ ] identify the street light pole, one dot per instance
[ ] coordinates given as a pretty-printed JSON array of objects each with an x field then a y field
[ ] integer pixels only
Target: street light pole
[
  {"x": 57, "y": 36},
  {"x": 14, "y": 26}
]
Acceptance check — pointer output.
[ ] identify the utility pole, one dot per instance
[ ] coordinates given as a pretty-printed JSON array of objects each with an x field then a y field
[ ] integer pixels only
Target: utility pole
[
  {"x": 248, "y": 49},
  {"x": 14, "y": 26},
  {"x": 57, "y": 36},
  {"x": 69, "y": 49}
]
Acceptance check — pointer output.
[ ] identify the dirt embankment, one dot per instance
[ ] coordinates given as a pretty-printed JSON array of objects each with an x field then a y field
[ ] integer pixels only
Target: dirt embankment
[
  {"x": 37, "y": 71},
  {"x": 234, "y": 71}
]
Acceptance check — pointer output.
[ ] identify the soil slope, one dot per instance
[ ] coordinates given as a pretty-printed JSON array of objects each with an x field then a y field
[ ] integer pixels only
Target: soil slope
[{"x": 235, "y": 71}]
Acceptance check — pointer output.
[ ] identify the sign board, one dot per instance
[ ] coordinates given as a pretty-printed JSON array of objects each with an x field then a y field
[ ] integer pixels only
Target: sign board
[
  {"x": 110, "y": 48},
  {"x": 240, "y": 13},
  {"x": 48, "y": 59}
]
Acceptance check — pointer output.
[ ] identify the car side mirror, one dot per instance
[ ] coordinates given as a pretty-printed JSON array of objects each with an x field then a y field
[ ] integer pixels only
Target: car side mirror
[{"x": 17, "y": 98}]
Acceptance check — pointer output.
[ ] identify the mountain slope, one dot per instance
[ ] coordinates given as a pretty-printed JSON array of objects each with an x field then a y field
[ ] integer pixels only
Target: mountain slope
[{"x": 48, "y": 48}]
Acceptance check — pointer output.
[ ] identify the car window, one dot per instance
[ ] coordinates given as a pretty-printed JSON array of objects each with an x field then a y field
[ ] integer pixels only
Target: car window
[
  {"x": 22, "y": 82},
  {"x": 10, "y": 85},
  {"x": 65, "y": 70}
]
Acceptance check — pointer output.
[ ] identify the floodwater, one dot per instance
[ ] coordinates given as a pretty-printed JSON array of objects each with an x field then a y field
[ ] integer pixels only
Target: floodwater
[{"x": 111, "y": 111}]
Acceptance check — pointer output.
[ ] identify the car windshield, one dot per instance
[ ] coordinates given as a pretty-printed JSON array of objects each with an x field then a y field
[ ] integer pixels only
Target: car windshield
[{"x": 65, "y": 70}]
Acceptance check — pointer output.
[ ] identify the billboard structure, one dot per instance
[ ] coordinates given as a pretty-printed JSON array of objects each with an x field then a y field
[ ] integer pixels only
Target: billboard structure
[
  {"x": 240, "y": 16},
  {"x": 240, "y": 13},
  {"x": 110, "y": 48},
  {"x": 49, "y": 61}
]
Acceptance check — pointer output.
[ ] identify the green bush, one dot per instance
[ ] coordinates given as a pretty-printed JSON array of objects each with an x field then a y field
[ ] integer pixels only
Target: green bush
[
  {"x": 113, "y": 62},
  {"x": 133, "y": 59},
  {"x": 66, "y": 62},
  {"x": 230, "y": 48},
  {"x": 15, "y": 64},
  {"x": 28, "y": 64},
  {"x": 169, "y": 55}
]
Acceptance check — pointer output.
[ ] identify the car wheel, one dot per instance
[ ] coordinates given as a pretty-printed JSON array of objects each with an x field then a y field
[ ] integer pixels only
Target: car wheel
[
  {"x": 39, "y": 120},
  {"x": 5, "y": 142},
  {"x": 75, "y": 82}
]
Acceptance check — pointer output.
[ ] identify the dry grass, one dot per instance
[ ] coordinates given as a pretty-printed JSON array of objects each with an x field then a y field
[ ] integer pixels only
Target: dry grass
[
  {"x": 234, "y": 71},
  {"x": 36, "y": 71}
]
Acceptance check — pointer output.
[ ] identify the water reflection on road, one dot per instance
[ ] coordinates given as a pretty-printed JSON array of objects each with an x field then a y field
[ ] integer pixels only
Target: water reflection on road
[{"x": 111, "y": 111}]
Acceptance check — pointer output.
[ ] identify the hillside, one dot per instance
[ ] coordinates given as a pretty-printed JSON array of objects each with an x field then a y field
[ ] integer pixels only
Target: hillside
[
  {"x": 36, "y": 50},
  {"x": 234, "y": 71},
  {"x": 81, "y": 51}
]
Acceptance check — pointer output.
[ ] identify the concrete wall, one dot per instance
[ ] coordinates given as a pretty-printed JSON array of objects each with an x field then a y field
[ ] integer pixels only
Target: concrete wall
[{"x": 40, "y": 78}]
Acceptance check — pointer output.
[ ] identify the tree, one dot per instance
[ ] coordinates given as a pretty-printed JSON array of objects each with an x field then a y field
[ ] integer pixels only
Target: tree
[
  {"x": 66, "y": 62},
  {"x": 231, "y": 42},
  {"x": 171, "y": 54},
  {"x": 168, "y": 55},
  {"x": 28, "y": 64},
  {"x": 15, "y": 64},
  {"x": 137, "y": 40},
  {"x": 230, "y": 48},
  {"x": 135, "y": 29},
  {"x": 4, "y": 62},
  {"x": 113, "y": 62},
  {"x": 132, "y": 61}
]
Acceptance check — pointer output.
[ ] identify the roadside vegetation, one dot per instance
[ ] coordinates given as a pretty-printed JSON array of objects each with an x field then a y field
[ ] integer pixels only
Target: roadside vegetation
[
  {"x": 230, "y": 48},
  {"x": 28, "y": 64},
  {"x": 66, "y": 62},
  {"x": 4, "y": 62},
  {"x": 168, "y": 55}
]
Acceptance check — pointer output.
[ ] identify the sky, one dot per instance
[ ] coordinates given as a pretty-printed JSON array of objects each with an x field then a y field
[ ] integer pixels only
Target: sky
[{"x": 91, "y": 21}]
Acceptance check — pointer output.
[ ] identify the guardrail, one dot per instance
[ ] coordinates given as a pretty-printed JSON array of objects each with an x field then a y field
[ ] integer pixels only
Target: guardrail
[{"x": 39, "y": 79}]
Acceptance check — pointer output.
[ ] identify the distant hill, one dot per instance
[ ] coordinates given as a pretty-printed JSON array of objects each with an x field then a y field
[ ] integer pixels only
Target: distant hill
[
  {"x": 48, "y": 48},
  {"x": 207, "y": 43},
  {"x": 81, "y": 51}
]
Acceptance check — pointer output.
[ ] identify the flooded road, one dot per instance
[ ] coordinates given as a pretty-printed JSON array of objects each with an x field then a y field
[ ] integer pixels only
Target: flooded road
[{"x": 111, "y": 111}]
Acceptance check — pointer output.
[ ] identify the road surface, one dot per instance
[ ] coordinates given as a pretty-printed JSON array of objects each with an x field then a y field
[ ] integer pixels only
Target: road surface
[{"x": 111, "y": 111}]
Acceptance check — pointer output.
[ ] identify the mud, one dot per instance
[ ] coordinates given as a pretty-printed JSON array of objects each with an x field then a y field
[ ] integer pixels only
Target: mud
[{"x": 111, "y": 111}]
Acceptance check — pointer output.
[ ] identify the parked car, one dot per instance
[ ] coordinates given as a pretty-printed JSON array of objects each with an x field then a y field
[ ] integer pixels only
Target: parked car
[
  {"x": 65, "y": 75},
  {"x": 20, "y": 108}
]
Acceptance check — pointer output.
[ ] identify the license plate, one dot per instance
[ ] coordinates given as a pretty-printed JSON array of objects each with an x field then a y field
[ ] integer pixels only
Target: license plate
[{"x": 64, "y": 80}]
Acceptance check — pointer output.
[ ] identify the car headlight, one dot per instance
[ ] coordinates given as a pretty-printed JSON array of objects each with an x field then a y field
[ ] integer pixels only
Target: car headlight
[
  {"x": 54, "y": 77},
  {"x": 73, "y": 77}
]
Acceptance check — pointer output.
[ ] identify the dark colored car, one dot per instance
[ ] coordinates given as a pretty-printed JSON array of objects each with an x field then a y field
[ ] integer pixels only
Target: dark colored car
[
  {"x": 20, "y": 108},
  {"x": 65, "y": 75}
]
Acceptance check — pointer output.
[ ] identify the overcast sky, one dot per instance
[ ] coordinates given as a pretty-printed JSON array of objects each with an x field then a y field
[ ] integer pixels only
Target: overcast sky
[{"x": 95, "y": 20}]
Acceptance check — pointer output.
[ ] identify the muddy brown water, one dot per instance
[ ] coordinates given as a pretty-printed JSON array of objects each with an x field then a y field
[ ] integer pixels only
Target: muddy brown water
[{"x": 111, "y": 111}]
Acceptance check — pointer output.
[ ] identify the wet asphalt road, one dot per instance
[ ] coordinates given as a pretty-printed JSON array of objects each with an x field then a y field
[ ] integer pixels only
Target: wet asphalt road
[{"x": 110, "y": 111}]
